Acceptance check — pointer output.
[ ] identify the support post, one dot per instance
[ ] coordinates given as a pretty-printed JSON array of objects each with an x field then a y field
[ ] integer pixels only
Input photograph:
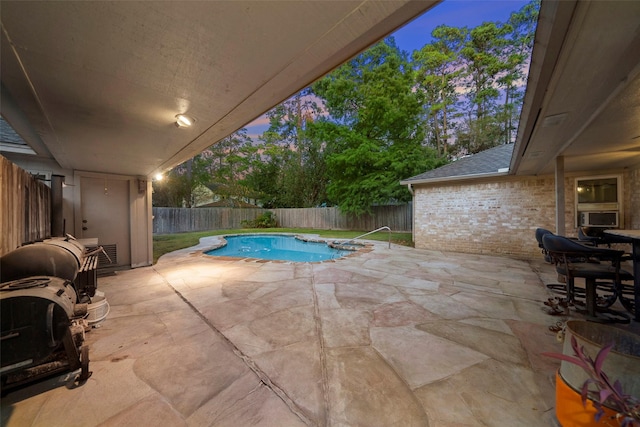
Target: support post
[{"x": 560, "y": 201}]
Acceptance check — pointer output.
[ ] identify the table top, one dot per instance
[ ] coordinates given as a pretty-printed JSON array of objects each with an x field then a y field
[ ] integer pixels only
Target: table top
[{"x": 634, "y": 234}]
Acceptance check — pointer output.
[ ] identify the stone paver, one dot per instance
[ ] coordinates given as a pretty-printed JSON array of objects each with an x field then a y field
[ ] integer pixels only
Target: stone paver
[{"x": 389, "y": 337}]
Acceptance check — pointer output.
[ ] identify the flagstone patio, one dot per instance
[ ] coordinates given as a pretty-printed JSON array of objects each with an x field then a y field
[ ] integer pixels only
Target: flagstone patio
[{"x": 390, "y": 337}]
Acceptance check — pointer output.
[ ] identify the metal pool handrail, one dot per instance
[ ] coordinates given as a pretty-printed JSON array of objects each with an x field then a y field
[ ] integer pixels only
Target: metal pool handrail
[{"x": 371, "y": 232}]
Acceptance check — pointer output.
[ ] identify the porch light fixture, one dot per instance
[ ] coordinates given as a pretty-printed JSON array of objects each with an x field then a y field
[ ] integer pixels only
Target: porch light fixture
[
  {"x": 158, "y": 177},
  {"x": 184, "y": 121}
]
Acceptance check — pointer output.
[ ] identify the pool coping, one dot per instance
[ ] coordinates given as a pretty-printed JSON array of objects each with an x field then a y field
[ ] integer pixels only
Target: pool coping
[{"x": 364, "y": 248}]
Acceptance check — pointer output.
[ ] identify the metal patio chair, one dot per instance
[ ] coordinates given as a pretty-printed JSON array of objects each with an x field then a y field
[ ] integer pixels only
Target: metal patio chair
[
  {"x": 600, "y": 269},
  {"x": 558, "y": 288}
]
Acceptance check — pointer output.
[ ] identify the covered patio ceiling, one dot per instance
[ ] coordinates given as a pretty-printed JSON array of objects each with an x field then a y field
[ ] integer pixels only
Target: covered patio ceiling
[
  {"x": 97, "y": 85},
  {"x": 583, "y": 94}
]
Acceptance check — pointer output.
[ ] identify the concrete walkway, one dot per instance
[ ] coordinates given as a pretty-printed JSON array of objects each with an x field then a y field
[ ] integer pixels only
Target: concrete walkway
[{"x": 388, "y": 337}]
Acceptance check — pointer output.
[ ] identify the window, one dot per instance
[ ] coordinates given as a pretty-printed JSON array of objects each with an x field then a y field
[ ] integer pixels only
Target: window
[
  {"x": 597, "y": 190},
  {"x": 598, "y": 200}
]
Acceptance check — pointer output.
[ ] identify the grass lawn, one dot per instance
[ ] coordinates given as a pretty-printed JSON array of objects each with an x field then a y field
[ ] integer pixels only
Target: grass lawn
[{"x": 165, "y": 243}]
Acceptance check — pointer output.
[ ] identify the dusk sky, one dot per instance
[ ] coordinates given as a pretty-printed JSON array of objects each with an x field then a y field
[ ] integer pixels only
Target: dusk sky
[{"x": 417, "y": 33}]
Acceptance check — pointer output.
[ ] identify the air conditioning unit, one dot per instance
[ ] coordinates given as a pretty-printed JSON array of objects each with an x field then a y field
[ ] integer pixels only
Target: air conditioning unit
[{"x": 598, "y": 219}]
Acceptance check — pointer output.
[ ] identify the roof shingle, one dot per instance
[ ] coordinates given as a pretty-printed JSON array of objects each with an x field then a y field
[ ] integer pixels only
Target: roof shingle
[{"x": 491, "y": 161}]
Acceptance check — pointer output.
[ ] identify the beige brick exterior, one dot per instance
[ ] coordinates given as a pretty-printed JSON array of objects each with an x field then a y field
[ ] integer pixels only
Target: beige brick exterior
[{"x": 500, "y": 215}]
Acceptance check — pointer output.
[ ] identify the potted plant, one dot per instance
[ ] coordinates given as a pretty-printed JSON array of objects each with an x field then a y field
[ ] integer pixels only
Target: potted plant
[{"x": 598, "y": 391}]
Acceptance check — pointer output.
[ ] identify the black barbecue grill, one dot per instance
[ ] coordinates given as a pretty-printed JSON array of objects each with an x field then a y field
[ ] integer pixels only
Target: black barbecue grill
[
  {"x": 41, "y": 335},
  {"x": 58, "y": 257},
  {"x": 45, "y": 291}
]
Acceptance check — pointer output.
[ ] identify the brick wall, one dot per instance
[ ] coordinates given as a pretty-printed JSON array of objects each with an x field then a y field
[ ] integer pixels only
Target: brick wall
[
  {"x": 499, "y": 216},
  {"x": 491, "y": 217}
]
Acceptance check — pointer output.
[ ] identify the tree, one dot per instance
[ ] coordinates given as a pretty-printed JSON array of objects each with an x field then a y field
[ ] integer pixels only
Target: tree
[
  {"x": 265, "y": 177},
  {"x": 230, "y": 160},
  {"x": 496, "y": 56},
  {"x": 438, "y": 71},
  {"x": 482, "y": 52},
  {"x": 178, "y": 189},
  {"x": 222, "y": 165},
  {"x": 374, "y": 133},
  {"x": 291, "y": 171},
  {"x": 516, "y": 55}
]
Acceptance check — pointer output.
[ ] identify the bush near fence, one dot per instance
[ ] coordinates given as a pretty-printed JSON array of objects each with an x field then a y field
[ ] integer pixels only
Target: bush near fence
[{"x": 181, "y": 220}]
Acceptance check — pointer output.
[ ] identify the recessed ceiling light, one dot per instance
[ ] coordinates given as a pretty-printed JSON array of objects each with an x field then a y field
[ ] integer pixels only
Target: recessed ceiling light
[{"x": 184, "y": 121}]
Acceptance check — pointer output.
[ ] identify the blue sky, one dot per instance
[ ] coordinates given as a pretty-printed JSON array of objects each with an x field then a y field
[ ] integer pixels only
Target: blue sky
[
  {"x": 456, "y": 13},
  {"x": 417, "y": 33}
]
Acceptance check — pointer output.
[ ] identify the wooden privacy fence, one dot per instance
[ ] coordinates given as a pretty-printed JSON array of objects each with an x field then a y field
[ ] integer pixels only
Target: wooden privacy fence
[
  {"x": 25, "y": 212},
  {"x": 180, "y": 220}
]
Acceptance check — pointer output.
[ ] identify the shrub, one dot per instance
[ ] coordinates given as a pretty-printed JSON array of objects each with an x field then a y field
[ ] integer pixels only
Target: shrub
[{"x": 266, "y": 220}]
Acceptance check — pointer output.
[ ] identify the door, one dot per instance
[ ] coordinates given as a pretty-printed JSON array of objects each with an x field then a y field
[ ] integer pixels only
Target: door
[{"x": 105, "y": 215}]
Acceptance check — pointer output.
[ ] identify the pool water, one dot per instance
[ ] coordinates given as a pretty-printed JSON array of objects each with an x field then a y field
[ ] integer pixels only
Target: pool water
[{"x": 277, "y": 247}]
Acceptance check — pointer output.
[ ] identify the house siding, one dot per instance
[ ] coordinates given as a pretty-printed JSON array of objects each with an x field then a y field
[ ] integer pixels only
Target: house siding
[{"x": 499, "y": 215}]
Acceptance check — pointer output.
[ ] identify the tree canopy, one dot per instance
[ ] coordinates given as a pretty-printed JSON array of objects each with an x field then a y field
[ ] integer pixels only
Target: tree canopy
[{"x": 377, "y": 136}]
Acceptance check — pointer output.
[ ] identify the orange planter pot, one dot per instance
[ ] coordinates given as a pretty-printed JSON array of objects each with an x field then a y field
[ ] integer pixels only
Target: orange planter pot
[{"x": 572, "y": 413}]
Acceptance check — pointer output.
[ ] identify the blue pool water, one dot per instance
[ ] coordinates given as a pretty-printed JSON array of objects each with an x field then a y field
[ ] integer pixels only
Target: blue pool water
[{"x": 277, "y": 247}]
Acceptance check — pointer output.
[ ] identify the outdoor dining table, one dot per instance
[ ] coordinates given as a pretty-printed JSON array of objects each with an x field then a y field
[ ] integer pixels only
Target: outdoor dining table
[{"x": 633, "y": 236}]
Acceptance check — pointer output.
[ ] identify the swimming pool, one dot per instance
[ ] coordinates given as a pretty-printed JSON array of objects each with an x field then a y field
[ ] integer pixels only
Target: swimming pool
[{"x": 277, "y": 247}]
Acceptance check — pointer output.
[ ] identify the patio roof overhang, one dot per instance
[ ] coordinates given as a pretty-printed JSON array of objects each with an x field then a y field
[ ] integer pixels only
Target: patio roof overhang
[
  {"x": 583, "y": 95},
  {"x": 96, "y": 86}
]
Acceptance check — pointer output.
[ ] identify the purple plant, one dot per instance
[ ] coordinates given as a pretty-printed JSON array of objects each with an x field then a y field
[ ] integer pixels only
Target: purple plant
[{"x": 605, "y": 393}]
